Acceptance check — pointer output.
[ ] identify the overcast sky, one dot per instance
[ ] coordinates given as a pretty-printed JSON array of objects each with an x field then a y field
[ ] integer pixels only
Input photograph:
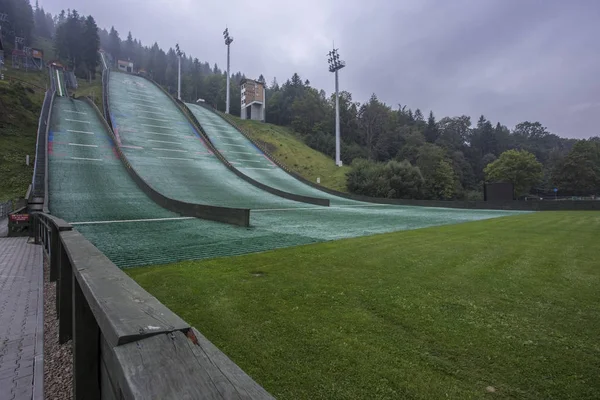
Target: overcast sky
[{"x": 510, "y": 60}]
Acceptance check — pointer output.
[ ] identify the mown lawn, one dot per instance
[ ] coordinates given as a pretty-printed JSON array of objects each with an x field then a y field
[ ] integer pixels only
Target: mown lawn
[
  {"x": 289, "y": 149},
  {"x": 503, "y": 308}
]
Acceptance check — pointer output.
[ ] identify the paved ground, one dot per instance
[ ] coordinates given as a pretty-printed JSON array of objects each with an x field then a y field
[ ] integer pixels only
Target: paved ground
[{"x": 21, "y": 319}]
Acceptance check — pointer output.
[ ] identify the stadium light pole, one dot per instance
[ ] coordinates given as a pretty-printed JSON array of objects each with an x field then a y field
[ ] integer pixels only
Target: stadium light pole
[
  {"x": 3, "y": 18},
  {"x": 228, "y": 41},
  {"x": 179, "y": 54},
  {"x": 335, "y": 64}
]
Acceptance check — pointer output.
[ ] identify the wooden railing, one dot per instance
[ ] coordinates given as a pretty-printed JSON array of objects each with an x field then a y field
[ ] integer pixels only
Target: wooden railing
[
  {"x": 126, "y": 344},
  {"x": 38, "y": 196}
]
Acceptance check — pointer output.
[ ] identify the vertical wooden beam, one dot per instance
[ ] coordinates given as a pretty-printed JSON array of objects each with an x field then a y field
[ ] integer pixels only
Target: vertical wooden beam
[
  {"x": 51, "y": 245},
  {"x": 86, "y": 348},
  {"x": 36, "y": 229},
  {"x": 54, "y": 244},
  {"x": 65, "y": 306}
]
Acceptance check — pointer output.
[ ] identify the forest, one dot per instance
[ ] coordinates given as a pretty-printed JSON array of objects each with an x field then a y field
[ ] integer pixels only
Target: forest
[{"x": 394, "y": 151}]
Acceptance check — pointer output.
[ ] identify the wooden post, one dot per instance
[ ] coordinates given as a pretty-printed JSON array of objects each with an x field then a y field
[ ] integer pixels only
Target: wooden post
[
  {"x": 47, "y": 241},
  {"x": 86, "y": 348},
  {"x": 65, "y": 306},
  {"x": 52, "y": 250},
  {"x": 36, "y": 229},
  {"x": 54, "y": 253}
]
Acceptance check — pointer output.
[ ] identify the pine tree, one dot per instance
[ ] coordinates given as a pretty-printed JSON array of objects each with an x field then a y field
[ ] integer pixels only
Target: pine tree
[
  {"x": 114, "y": 43},
  {"x": 431, "y": 130},
  {"x": 41, "y": 23},
  {"x": 91, "y": 45},
  {"x": 419, "y": 116},
  {"x": 129, "y": 48}
]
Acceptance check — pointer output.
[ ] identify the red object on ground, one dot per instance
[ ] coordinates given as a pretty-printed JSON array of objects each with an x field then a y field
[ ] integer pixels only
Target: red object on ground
[{"x": 19, "y": 217}]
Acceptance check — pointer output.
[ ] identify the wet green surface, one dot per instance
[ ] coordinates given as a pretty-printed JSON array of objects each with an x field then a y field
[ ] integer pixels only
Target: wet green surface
[
  {"x": 250, "y": 160},
  {"x": 168, "y": 153},
  {"x": 90, "y": 187},
  {"x": 87, "y": 180}
]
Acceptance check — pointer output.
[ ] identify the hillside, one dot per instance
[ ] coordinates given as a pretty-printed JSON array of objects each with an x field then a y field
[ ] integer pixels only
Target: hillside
[
  {"x": 21, "y": 98},
  {"x": 289, "y": 149}
]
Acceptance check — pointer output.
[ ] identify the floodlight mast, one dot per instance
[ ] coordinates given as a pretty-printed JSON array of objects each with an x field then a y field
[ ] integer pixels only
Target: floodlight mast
[
  {"x": 228, "y": 41},
  {"x": 179, "y": 54},
  {"x": 335, "y": 64},
  {"x": 3, "y": 18}
]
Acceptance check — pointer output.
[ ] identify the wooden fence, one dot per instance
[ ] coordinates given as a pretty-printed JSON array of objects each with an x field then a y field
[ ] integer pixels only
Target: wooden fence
[{"x": 126, "y": 344}]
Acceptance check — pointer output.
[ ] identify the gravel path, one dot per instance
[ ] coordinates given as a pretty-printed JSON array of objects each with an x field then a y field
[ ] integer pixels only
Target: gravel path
[{"x": 58, "y": 359}]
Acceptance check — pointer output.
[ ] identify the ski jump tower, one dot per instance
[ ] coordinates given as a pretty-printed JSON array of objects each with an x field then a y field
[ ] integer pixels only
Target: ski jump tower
[{"x": 253, "y": 100}]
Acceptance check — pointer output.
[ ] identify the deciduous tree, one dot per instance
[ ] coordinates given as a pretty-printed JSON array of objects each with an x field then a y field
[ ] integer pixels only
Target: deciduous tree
[{"x": 518, "y": 167}]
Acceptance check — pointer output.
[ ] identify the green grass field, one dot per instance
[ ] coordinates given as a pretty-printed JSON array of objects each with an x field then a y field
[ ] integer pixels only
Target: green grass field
[
  {"x": 92, "y": 89},
  {"x": 21, "y": 98},
  {"x": 289, "y": 149},
  {"x": 503, "y": 308}
]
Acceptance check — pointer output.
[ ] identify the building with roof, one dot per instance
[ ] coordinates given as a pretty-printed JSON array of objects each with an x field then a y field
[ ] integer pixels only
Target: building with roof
[{"x": 253, "y": 100}]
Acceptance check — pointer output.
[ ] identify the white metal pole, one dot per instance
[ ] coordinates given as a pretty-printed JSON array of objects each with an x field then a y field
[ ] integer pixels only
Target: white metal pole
[
  {"x": 179, "y": 79},
  {"x": 338, "y": 162},
  {"x": 227, "y": 101}
]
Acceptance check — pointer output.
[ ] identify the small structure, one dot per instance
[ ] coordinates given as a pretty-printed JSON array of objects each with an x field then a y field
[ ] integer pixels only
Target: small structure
[
  {"x": 498, "y": 192},
  {"x": 55, "y": 64},
  {"x": 125, "y": 66},
  {"x": 253, "y": 100},
  {"x": 27, "y": 58}
]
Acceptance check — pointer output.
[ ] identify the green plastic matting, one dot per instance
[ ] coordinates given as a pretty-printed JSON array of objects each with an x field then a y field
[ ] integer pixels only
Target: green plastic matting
[
  {"x": 90, "y": 187},
  {"x": 170, "y": 155},
  {"x": 249, "y": 159}
]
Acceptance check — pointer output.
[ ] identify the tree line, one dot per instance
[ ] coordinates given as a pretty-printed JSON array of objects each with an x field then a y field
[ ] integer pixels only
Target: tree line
[
  {"x": 397, "y": 152},
  {"x": 199, "y": 79},
  {"x": 20, "y": 22},
  {"x": 393, "y": 151}
]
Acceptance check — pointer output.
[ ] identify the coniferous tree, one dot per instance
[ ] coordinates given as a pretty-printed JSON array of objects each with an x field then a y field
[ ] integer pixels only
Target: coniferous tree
[
  {"x": 431, "y": 132},
  {"x": 90, "y": 46},
  {"x": 114, "y": 43},
  {"x": 42, "y": 28}
]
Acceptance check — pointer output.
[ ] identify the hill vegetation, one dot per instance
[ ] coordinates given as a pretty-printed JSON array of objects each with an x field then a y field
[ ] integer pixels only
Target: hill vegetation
[
  {"x": 399, "y": 152},
  {"x": 289, "y": 148},
  {"x": 20, "y": 105}
]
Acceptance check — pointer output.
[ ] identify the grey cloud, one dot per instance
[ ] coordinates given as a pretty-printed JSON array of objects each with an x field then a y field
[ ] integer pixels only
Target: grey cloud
[{"x": 511, "y": 60}]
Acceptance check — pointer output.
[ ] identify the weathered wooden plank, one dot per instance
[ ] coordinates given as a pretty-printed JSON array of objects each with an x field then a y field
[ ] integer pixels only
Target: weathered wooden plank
[
  {"x": 65, "y": 305},
  {"x": 86, "y": 349},
  {"x": 175, "y": 366},
  {"x": 60, "y": 224},
  {"x": 245, "y": 386},
  {"x": 124, "y": 311},
  {"x": 108, "y": 388},
  {"x": 182, "y": 374},
  {"x": 54, "y": 239}
]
